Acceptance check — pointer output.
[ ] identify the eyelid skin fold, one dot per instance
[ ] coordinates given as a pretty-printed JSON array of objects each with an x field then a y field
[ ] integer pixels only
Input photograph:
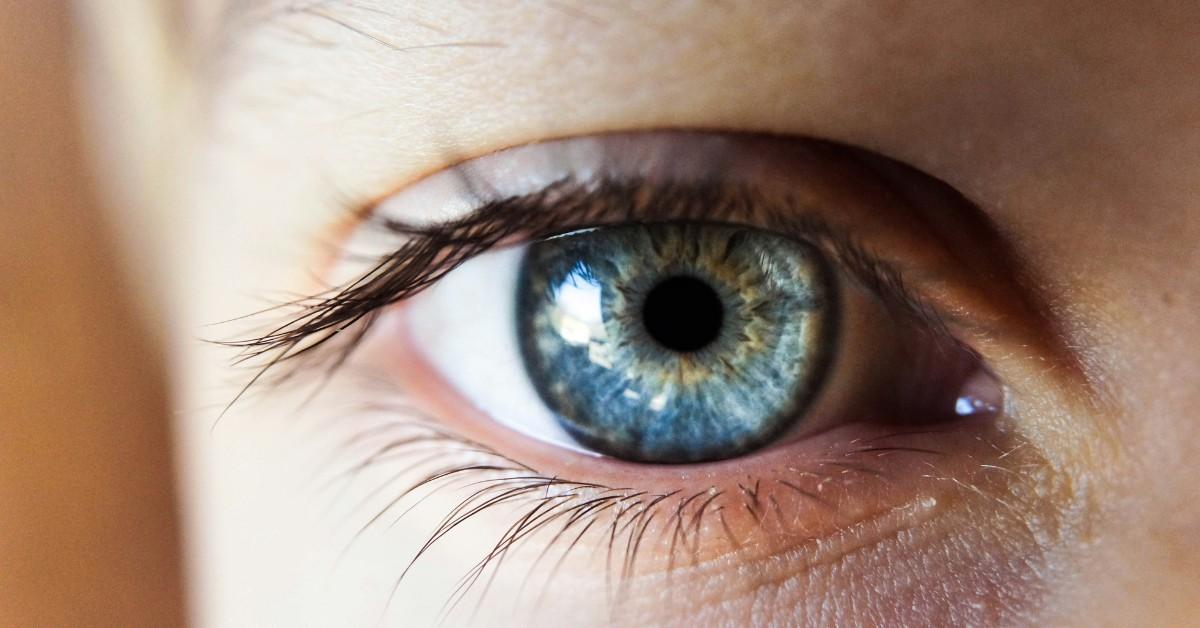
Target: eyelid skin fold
[
  {"x": 827, "y": 521},
  {"x": 409, "y": 240}
]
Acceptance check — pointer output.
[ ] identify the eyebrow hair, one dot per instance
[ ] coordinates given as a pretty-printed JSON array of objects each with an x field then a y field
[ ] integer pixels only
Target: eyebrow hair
[
  {"x": 270, "y": 9},
  {"x": 239, "y": 16},
  {"x": 221, "y": 48}
]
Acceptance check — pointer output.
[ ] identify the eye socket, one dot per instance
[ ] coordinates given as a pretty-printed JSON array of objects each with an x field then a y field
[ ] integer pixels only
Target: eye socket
[{"x": 891, "y": 412}]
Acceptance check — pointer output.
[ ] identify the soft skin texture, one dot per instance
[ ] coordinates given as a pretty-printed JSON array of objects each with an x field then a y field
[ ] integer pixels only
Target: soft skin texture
[{"x": 1074, "y": 126}]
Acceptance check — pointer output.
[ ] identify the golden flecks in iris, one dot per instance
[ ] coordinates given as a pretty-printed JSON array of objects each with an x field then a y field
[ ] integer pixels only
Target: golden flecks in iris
[
  {"x": 727, "y": 257},
  {"x": 604, "y": 372}
]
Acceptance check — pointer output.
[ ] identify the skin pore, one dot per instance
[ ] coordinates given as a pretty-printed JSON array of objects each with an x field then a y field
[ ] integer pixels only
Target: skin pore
[{"x": 1072, "y": 126}]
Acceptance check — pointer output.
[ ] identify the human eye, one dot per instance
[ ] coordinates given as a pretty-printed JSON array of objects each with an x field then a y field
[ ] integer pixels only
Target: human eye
[
  {"x": 681, "y": 320},
  {"x": 655, "y": 360}
]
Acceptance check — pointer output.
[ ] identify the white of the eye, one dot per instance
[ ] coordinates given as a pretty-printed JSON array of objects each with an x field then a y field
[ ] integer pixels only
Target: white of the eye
[{"x": 465, "y": 327}]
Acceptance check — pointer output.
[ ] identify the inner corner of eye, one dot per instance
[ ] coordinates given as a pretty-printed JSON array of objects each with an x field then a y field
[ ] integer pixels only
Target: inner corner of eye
[{"x": 678, "y": 343}]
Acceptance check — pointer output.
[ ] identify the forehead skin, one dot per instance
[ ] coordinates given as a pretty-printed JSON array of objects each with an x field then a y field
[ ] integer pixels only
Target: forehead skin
[{"x": 1074, "y": 125}]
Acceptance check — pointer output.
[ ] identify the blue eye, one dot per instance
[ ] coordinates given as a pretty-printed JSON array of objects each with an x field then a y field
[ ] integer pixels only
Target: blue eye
[
  {"x": 630, "y": 306},
  {"x": 675, "y": 342}
]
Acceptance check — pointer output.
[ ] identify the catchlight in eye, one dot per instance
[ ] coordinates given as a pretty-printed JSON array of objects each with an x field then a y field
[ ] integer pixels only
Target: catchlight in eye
[{"x": 674, "y": 342}]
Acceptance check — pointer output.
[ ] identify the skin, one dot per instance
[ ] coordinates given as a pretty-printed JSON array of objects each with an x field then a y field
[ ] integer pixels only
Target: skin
[{"x": 1073, "y": 127}]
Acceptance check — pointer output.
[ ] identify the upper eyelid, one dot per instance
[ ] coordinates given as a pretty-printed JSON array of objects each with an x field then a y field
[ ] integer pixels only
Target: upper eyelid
[
  {"x": 429, "y": 252},
  {"x": 859, "y": 200},
  {"x": 719, "y": 202}
]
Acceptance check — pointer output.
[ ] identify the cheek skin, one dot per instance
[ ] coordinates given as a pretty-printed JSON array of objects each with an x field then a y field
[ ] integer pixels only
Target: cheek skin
[{"x": 856, "y": 525}]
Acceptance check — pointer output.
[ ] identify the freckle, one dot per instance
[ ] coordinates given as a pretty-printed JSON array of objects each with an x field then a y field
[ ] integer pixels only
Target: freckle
[{"x": 1168, "y": 299}]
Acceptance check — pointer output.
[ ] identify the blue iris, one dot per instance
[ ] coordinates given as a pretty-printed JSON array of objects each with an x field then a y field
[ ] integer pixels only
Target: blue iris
[{"x": 675, "y": 342}]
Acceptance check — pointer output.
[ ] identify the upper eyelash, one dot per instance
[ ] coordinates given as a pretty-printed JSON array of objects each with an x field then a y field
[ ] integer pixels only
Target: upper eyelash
[{"x": 428, "y": 253}]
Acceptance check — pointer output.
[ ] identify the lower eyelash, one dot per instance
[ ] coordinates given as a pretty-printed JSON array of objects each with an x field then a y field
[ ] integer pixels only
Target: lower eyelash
[{"x": 616, "y": 521}]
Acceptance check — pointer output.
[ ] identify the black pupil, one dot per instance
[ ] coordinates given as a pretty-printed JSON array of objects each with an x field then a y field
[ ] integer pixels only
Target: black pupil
[{"x": 683, "y": 314}]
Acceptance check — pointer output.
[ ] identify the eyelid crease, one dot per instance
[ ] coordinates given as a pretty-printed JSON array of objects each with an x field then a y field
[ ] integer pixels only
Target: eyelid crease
[{"x": 428, "y": 252}]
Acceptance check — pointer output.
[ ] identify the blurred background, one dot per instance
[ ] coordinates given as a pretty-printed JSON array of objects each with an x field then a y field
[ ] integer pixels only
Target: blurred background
[{"x": 88, "y": 520}]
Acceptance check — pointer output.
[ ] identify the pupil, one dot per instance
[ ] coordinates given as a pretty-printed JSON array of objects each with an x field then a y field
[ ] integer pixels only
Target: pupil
[{"x": 683, "y": 314}]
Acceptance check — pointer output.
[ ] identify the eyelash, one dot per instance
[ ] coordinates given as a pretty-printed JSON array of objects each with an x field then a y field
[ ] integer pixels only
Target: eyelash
[
  {"x": 302, "y": 342},
  {"x": 430, "y": 252},
  {"x": 578, "y": 506}
]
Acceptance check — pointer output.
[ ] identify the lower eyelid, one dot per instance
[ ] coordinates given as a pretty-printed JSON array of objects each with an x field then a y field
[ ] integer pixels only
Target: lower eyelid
[
  {"x": 873, "y": 478},
  {"x": 959, "y": 528}
]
